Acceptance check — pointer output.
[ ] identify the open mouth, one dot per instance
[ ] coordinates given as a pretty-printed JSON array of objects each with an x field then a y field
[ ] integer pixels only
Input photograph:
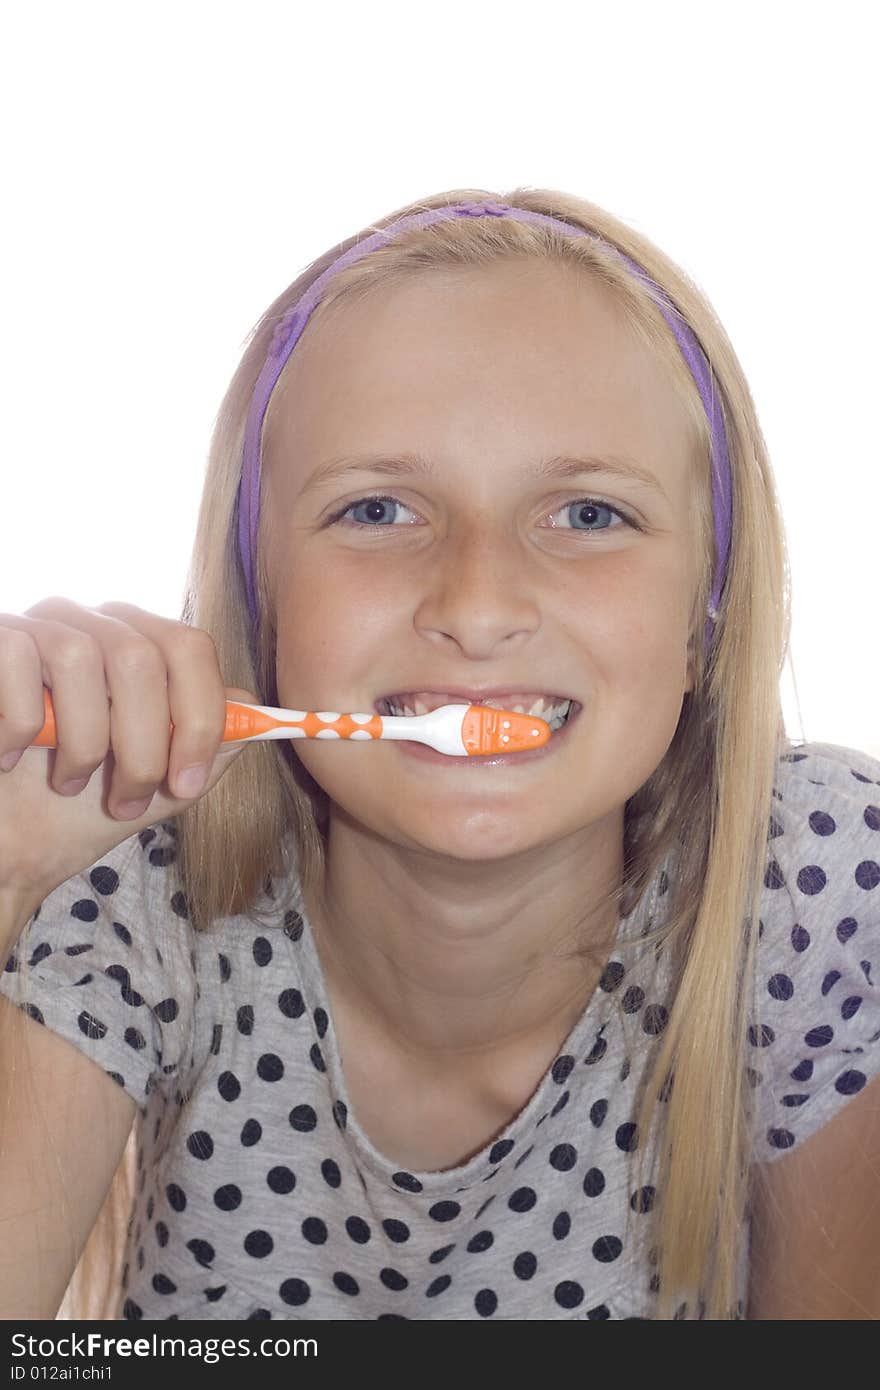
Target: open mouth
[{"x": 555, "y": 710}]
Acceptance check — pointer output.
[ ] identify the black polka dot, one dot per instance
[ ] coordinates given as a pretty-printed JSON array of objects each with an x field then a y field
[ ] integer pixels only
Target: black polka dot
[
  {"x": 598, "y": 1111},
  {"x": 437, "y": 1255},
  {"x": 270, "y": 1067},
  {"x": 244, "y": 1020},
  {"x": 291, "y": 1004},
  {"x": 303, "y": 1119},
  {"x": 346, "y": 1283},
  {"x": 626, "y": 1137},
  {"x": 525, "y": 1264},
  {"x": 481, "y": 1241},
  {"x": 568, "y": 1294},
  {"x": 850, "y": 1082},
  {"x": 561, "y": 1225},
  {"x": 314, "y": 1230},
  {"x": 523, "y": 1199},
  {"x": 654, "y": 1020},
  {"x": 819, "y": 1037},
  {"x": 397, "y": 1231},
  {"x": 611, "y": 976},
  {"x": 563, "y": 1157},
  {"x": 500, "y": 1150},
  {"x": 281, "y": 1180},
  {"x": 92, "y": 1027},
  {"x": 632, "y": 1000},
  {"x": 202, "y": 1251},
  {"x": 176, "y": 1197},
  {"x": 393, "y": 1279},
  {"x": 407, "y": 1182},
  {"x": 229, "y": 1086},
  {"x": 780, "y": 987},
  {"x": 444, "y": 1211},
  {"x": 258, "y": 1244},
  {"x": 251, "y": 1133},
  {"x": 594, "y": 1182},
  {"x": 358, "y": 1229},
  {"x": 607, "y": 1248},
  {"x": 330, "y": 1173},
  {"x": 200, "y": 1144},
  {"x": 166, "y": 1010},
  {"x": 162, "y": 1284},
  {"x": 262, "y": 949},
  {"x": 438, "y": 1285},
  {"x": 780, "y": 1138},
  {"x": 485, "y": 1302},
  {"x": 228, "y": 1197},
  {"x": 561, "y": 1069},
  {"x": 295, "y": 1292}
]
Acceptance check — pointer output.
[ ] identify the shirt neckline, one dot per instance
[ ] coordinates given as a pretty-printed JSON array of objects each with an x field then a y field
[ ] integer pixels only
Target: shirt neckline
[{"x": 591, "y": 1025}]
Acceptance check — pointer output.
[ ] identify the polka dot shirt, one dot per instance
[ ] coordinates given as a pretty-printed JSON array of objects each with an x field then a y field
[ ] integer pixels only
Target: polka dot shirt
[{"x": 259, "y": 1196}]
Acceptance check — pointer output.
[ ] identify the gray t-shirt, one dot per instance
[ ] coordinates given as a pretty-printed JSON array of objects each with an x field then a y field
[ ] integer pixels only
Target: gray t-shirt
[{"x": 258, "y": 1195}]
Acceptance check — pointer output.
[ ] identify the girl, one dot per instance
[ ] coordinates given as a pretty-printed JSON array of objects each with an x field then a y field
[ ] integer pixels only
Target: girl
[{"x": 372, "y": 1032}]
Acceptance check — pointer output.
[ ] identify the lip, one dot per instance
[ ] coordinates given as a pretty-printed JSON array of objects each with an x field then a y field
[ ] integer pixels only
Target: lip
[{"x": 420, "y": 752}]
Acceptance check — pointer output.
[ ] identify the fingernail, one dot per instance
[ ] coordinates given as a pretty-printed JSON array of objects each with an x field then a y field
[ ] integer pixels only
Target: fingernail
[
  {"x": 131, "y": 810},
  {"x": 8, "y": 761},
  {"x": 191, "y": 780},
  {"x": 73, "y": 787}
]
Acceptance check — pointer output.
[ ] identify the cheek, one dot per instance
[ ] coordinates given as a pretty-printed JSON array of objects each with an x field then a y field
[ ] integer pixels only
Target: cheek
[{"x": 330, "y": 635}]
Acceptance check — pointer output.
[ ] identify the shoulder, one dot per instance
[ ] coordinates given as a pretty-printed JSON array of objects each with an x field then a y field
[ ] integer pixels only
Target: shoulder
[
  {"x": 815, "y": 1044},
  {"x": 108, "y": 961},
  {"x": 815, "y": 1034}
]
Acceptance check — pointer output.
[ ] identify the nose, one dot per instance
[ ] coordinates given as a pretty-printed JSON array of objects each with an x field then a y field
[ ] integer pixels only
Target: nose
[{"x": 479, "y": 593}]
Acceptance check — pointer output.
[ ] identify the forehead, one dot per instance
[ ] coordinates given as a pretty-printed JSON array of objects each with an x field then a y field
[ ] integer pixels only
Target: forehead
[{"x": 508, "y": 357}]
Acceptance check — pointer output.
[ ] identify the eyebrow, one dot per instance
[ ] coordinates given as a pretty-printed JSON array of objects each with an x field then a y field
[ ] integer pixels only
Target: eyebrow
[{"x": 408, "y": 464}]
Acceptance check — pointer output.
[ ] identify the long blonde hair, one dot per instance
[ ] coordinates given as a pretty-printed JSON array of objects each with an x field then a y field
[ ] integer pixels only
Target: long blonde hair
[{"x": 709, "y": 801}]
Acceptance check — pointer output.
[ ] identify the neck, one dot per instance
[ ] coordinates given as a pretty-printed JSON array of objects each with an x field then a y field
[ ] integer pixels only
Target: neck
[{"x": 455, "y": 962}]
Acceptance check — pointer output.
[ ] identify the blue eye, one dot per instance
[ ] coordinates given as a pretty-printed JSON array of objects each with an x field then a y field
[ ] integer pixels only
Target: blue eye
[{"x": 584, "y": 504}]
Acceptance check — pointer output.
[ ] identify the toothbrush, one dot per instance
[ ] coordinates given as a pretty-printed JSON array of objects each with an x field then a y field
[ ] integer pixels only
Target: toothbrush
[{"x": 457, "y": 730}]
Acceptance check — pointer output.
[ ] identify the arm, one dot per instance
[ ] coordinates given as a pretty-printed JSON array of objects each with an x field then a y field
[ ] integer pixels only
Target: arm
[
  {"x": 815, "y": 1222},
  {"x": 61, "y": 1141}
]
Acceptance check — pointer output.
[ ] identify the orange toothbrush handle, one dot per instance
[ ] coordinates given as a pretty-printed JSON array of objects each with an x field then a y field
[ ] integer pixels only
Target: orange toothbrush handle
[
  {"x": 487, "y": 730},
  {"x": 242, "y": 721}
]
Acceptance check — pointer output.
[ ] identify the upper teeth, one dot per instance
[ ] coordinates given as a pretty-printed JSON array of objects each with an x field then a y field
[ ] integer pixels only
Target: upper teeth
[{"x": 553, "y": 714}]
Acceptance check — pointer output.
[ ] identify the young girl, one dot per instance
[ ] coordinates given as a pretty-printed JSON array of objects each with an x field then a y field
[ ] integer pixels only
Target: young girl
[{"x": 374, "y": 1032}]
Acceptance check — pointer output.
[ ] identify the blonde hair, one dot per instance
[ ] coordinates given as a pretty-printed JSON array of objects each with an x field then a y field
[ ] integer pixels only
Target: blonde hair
[{"x": 708, "y": 802}]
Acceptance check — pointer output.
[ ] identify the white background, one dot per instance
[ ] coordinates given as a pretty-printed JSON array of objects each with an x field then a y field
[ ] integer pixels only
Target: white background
[{"x": 168, "y": 168}]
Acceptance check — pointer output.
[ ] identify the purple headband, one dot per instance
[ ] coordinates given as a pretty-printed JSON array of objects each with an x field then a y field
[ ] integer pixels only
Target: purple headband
[{"x": 290, "y": 327}]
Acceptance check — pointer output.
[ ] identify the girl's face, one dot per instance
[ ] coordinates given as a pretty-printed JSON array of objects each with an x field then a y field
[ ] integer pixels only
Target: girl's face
[{"x": 477, "y": 571}]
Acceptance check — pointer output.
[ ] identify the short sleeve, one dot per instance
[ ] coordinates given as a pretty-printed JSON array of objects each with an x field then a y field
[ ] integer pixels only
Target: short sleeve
[
  {"x": 112, "y": 965},
  {"x": 815, "y": 1034}
]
